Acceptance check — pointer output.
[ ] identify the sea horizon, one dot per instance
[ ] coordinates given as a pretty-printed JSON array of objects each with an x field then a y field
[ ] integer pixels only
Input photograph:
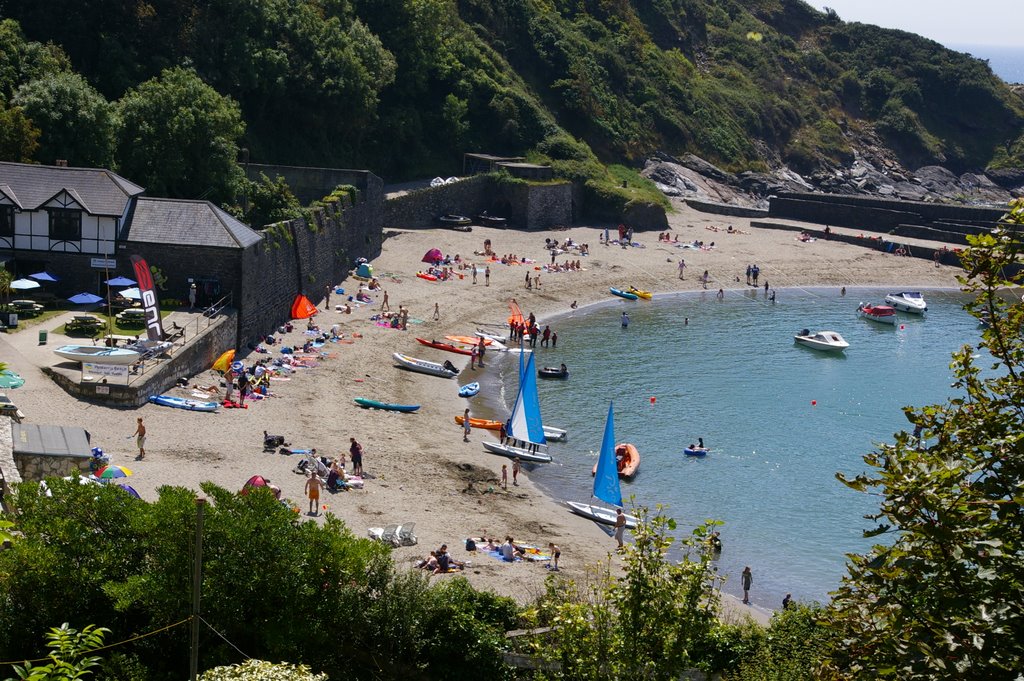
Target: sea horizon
[{"x": 1006, "y": 61}]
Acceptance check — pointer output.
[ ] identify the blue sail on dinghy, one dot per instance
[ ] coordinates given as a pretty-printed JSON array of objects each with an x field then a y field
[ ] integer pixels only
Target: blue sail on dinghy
[{"x": 606, "y": 482}]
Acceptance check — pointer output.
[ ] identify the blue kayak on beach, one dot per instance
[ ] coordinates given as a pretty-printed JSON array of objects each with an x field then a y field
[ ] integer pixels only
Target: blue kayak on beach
[
  {"x": 182, "y": 403},
  {"x": 388, "y": 406},
  {"x": 623, "y": 294},
  {"x": 469, "y": 390}
]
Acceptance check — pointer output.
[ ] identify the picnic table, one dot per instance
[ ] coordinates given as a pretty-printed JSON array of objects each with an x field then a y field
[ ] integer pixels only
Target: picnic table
[
  {"x": 86, "y": 323},
  {"x": 28, "y": 308},
  {"x": 133, "y": 315}
]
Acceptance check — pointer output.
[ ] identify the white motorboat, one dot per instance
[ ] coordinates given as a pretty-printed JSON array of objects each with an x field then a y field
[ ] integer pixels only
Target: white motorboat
[
  {"x": 556, "y": 434},
  {"x": 446, "y": 370},
  {"x": 97, "y": 354},
  {"x": 516, "y": 452},
  {"x": 830, "y": 341},
  {"x": 908, "y": 301},
  {"x": 883, "y": 314},
  {"x": 600, "y": 514}
]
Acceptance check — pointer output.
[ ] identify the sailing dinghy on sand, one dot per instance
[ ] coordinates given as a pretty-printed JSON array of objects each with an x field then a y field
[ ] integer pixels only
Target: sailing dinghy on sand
[
  {"x": 606, "y": 482},
  {"x": 524, "y": 424}
]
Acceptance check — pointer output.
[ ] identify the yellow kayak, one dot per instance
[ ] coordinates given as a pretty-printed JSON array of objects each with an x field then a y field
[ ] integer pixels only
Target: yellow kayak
[
  {"x": 646, "y": 295},
  {"x": 486, "y": 424}
]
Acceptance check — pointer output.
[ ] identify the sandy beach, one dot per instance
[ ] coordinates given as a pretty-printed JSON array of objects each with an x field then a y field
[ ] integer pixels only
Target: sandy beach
[{"x": 420, "y": 468}]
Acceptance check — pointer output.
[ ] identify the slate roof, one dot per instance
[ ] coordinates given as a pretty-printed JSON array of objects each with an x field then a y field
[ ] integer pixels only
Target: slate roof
[
  {"x": 104, "y": 192},
  {"x": 186, "y": 223}
]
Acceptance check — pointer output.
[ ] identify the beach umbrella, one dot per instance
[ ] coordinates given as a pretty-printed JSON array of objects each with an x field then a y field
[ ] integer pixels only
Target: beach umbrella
[
  {"x": 130, "y": 490},
  {"x": 432, "y": 256},
  {"x": 254, "y": 482},
  {"x": 43, "y": 276},
  {"x": 85, "y": 298},
  {"x": 10, "y": 380},
  {"x": 111, "y": 472},
  {"x": 132, "y": 293},
  {"x": 120, "y": 281},
  {"x": 224, "y": 361},
  {"x": 24, "y": 284}
]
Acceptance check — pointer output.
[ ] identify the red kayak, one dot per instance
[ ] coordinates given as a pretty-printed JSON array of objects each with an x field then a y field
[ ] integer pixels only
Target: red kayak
[{"x": 447, "y": 347}]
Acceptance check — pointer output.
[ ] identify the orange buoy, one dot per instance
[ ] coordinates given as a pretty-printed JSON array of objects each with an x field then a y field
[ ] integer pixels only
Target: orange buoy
[{"x": 653, "y": 400}]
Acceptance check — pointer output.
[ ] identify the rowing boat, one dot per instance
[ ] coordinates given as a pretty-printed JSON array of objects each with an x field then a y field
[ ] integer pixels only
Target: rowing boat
[
  {"x": 387, "y": 406},
  {"x": 446, "y": 370}
]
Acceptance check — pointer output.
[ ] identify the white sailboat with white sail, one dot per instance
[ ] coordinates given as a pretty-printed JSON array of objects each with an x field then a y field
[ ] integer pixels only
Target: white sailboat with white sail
[{"x": 606, "y": 483}]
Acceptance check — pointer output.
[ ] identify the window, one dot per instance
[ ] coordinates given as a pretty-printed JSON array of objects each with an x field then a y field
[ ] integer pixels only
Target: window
[
  {"x": 65, "y": 224},
  {"x": 6, "y": 220}
]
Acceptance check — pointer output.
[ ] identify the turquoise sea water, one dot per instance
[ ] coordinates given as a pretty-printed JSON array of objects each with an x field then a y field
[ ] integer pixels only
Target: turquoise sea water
[{"x": 780, "y": 419}]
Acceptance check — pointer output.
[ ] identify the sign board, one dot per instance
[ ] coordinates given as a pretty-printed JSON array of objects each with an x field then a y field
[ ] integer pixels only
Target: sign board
[
  {"x": 103, "y": 390},
  {"x": 116, "y": 370},
  {"x": 103, "y": 263}
]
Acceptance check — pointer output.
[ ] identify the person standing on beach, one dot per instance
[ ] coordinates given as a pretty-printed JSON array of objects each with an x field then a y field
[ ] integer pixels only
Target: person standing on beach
[
  {"x": 472, "y": 358},
  {"x": 384, "y": 305},
  {"x": 313, "y": 492},
  {"x": 528, "y": 280},
  {"x": 466, "y": 426},
  {"x": 750, "y": 270},
  {"x": 504, "y": 476},
  {"x": 140, "y": 439},
  {"x": 355, "y": 452},
  {"x": 437, "y": 311},
  {"x": 755, "y": 271},
  {"x": 515, "y": 472},
  {"x": 625, "y": 320},
  {"x": 327, "y": 299},
  {"x": 474, "y": 274},
  {"x": 191, "y": 296},
  {"x": 746, "y": 580},
  {"x": 556, "y": 553},
  {"x": 682, "y": 267},
  {"x": 487, "y": 275},
  {"x": 620, "y": 526}
]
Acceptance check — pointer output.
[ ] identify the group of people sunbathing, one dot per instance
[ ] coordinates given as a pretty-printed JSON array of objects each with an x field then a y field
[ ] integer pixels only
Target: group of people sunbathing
[
  {"x": 567, "y": 266},
  {"x": 440, "y": 562}
]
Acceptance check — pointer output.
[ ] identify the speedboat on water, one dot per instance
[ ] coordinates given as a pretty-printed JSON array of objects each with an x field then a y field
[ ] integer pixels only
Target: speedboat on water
[
  {"x": 908, "y": 301},
  {"x": 883, "y": 314},
  {"x": 829, "y": 341}
]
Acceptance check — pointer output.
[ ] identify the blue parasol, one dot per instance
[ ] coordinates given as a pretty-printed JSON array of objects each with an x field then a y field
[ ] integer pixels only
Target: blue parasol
[
  {"x": 85, "y": 298},
  {"x": 43, "y": 276},
  {"x": 120, "y": 281}
]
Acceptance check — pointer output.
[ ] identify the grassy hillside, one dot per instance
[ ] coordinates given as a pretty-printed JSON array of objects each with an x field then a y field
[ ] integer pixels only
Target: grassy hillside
[{"x": 403, "y": 87}]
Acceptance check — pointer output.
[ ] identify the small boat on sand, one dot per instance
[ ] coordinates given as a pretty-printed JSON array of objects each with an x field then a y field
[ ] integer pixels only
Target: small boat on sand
[
  {"x": 829, "y": 341},
  {"x": 627, "y": 459},
  {"x": 646, "y": 295},
  {"x": 513, "y": 452},
  {"x": 447, "y": 347},
  {"x": 98, "y": 354},
  {"x": 623, "y": 294},
  {"x": 469, "y": 389},
  {"x": 425, "y": 275},
  {"x": 183, "y": 403},
  {"x": 387, "y": 406},
  {"x": 485, "y": 424},
  {"x": 883, "y": 314},
  {"x": 908, "y": 301},
  {"x": 446, "y": 370},
  {"x": 599, "y": 514}
]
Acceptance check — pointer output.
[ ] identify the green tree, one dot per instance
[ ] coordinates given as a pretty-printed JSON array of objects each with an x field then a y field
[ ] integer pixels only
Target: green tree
[
  {"x": 267, "y": 202},
  {"x": 179, "y": 137},
  {"x": 19, "y": 138},
  {"x": 23, "y": 60},
  {"x": 945, "y": 597},
  {"x": 68, "y": 648},
  {"x": 75, "y": 120},
  {"x": 653, "y": 623}
]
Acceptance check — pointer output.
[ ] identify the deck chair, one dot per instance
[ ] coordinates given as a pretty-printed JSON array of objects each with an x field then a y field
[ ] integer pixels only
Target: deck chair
[
  {"x": 388, "y": 535},
  {"x": 406, "y": 536}
]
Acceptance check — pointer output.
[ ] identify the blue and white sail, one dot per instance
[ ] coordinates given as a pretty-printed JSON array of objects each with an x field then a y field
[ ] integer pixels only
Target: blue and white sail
[
  {"x": 524, "y": 423},
  {"x": 606, "y": 479}
]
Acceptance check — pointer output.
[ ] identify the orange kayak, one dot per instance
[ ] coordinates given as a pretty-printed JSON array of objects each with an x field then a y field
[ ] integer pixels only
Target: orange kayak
[
  {"x": 447, "y": 347},
  {"x": 628, "y": 459},
  {"x": 486, "y": 424},
  {"x": 469, "y": 340}
]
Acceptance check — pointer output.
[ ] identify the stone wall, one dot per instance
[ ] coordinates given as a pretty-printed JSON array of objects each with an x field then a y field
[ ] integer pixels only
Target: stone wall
[
  {"x": 726, "y": 209},
  {"x": 9, "y": 473},
  {"x": 179, "y": 263},
  {"x": 881, "y": 215},
  {"x": 313, "y": 184},
  {"x": 524, "y": 206},
  {"x": 36, "y": 467},
  {"x": 194, "y": 357},
  {"x": 295, "y": 257},
  {"x": 420, "y": 209}
]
